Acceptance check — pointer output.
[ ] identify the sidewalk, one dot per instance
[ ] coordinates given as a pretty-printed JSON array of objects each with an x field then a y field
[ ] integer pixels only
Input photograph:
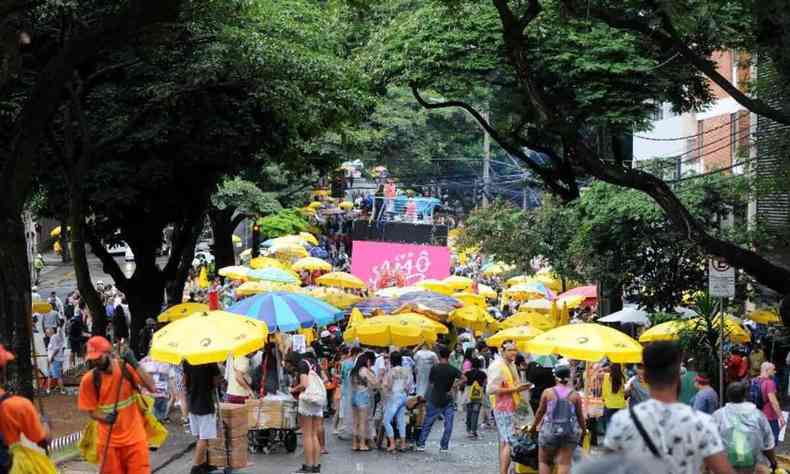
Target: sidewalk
[{"x": 178, "y": 443}]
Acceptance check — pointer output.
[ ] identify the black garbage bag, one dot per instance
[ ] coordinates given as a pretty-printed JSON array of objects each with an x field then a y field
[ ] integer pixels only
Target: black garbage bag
[{"x": 525, "y": 450}]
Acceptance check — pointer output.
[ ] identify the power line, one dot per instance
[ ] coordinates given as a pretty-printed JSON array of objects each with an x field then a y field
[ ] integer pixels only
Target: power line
[{"x": 729, "y": 122}]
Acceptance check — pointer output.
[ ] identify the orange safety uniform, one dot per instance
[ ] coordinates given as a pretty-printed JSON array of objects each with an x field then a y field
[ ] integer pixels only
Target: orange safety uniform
[
  {"x": 128, "y": 447},
  {"x": 19, "y": 417}
]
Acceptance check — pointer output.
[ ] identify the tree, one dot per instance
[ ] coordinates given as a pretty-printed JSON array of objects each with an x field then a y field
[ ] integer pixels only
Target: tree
[
  {"x": 34, "y": 72},
  {"x": 234, "y": 201},
  {"x": 213, "y": 95},
  {"x": 614, "y": 236},
  {"x": 572, "y": 86}
]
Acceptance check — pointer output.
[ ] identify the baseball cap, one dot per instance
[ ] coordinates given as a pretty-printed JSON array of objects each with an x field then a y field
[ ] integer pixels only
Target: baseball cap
[
  {"x": 96, "y": 347},
  {"x": 5, "y": 356},
  {"x": 325, "y": 333}
]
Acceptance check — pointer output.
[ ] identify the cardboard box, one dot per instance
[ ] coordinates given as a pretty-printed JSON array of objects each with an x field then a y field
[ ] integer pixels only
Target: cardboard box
[{"x": 271, "y": 413}]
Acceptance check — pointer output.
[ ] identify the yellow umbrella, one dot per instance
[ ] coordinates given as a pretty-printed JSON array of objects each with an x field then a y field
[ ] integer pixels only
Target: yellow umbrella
[
  {"x": 520, "y": 335},
  {"x": 400, "y": 330},
  {"x": 671, "y": 330},
  {"x": 311, "y": 264},
  {"x": 459, "y": 283},
  {"x": 588, "y": 341},
  {"x": 496, "y": 269},
  {"x": 255, "y": 287},
  {"x": 207, "y": 337},
  {"x": 541, "y": 305},
  {"x": 471, "y": 299},
  {"x": 474, "y": 318},
  {"x": 289, "y": 250},
  {"x": 346, "y": 205},
  {"x": 234, "y": 272},
  {"x": 518, "y": 280},
  {"x": 540, "y": 321},
  {"x": 334, "y": 296},
  {"x": 486, "y": 291},
  {"x": 523, "y": 292},
  {"x": 56, "y": 231},
  {"x": 307, "y": 212},
  {"x": 314, "y": 205},
  {"x": 41, "y": 306},
  {"x": 309, "y": 335},
  {"x": 355, "y": 318},
  {"x": 267, "y": 262},
  {"x": 765, "y": 316},
  {"x": 340, "y": 280},
  {"x": 308, "y": 237},
  {"x": 436, "y": 286},
  {"x": 180, "y": 311}
]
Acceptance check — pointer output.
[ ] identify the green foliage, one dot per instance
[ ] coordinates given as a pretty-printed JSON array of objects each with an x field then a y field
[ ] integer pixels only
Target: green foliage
[
  {"x": 246, "y": 197},
  {"x": 612, "y": 235},
  {"x": 285, "y": 222}
]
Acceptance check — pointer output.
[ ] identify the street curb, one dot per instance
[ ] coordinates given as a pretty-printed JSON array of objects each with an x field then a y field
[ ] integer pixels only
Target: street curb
[{"x": 174, "y": 457}]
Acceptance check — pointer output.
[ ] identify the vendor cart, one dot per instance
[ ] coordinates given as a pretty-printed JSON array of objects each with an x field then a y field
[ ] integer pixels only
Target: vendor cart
[{"x": 272, "y": 423}]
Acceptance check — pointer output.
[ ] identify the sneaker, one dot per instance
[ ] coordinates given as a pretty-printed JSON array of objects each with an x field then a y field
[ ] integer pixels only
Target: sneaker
[
  {"x": 444, "y": 450},
  {"x": 420, "y": 449},
  {"x": 304, "y": 470},
  {"x": 317, "y": 468}
]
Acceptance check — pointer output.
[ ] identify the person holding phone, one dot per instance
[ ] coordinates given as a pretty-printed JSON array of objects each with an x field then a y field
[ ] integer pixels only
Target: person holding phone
[{"x": 506, "y": 393}]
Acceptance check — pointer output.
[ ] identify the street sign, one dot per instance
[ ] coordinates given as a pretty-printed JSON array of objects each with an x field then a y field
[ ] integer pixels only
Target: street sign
[{"x": 721, "y": 279}]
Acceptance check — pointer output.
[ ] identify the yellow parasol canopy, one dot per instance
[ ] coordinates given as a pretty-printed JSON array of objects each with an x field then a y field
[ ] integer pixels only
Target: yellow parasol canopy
[
  {"x": 333, "y": 296},
  {"x": 207, "y": 337},
  {"x": 520, "y": 335},
  {"x": 41, "y": 306},
  {"x": 340, "y": 280},
  {"x": 765, "y": 316},
  {"x": 355, "y": 318},
  {"x": 588, "y": 341},
  {"x": 473, "y": 317},
  {"x": 288, "y": 249},
  {"x": 180, "y": 311},
  {"x": 523, "y": 292},
  {"x": 267, "y": 262},
  {"x": 437, "y": 286},
  {"x": 496, "y": 269},
  {"x": 254, "y": 287},
  {"x": 346, "y": 205},
  {"x": 486, "y": 291},
  {"x": 471, "y": 299},
  {"x": 671, "y": 330},
  {"x": 459, "y": 283},
  {"x": 309, "y": 238},
  {"x": 311, "y": 264},
  {"x": 234, "y": 272},
  {"x": 540, "y": 321},
  {"x": 400, "y": 330},
  {"x": 314, "y": 205}
]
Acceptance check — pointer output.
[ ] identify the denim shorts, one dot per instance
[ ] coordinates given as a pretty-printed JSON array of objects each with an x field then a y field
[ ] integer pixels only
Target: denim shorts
[
  {"x": 56, "y": 369},
  {"x": 360, "y": 399}
]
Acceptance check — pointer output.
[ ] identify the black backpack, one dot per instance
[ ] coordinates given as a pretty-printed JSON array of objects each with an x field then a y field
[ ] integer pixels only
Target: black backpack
[{"x": 5, "y": 454}]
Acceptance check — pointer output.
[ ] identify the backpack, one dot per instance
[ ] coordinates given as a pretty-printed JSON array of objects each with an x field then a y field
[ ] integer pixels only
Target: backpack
[
  {"x": 475, "y": 392},
  {"x": 5, "y": 455},
  {"x": 740, "y": 449},
  {"x": 560, "y": 421},
  {"x": 756, "y": 393}
]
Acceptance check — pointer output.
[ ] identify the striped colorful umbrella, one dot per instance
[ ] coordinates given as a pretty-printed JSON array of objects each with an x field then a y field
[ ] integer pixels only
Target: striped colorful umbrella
[
  {"x": 287, "y": 311},
  {"x": 369, "y": 305}
]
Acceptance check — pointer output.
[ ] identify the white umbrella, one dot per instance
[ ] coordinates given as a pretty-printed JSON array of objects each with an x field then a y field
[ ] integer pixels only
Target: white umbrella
[{"x": 627, "y": 315}]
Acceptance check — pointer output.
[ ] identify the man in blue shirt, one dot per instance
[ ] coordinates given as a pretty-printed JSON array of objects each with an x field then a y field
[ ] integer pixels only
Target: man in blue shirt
[{"x": 706, "y": 400}]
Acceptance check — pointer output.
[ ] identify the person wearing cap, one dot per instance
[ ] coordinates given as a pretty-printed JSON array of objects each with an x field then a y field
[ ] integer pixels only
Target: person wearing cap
[
  {"x": 18, "y": 416},
  {"x": 706, "y": 400},
  {"x": 108, "y": 394}
]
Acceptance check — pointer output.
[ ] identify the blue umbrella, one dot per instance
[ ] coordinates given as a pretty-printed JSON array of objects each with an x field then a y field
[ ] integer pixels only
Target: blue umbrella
[
  {"x": 287, "y": 311},
  {"x": 272, "y": 274}
]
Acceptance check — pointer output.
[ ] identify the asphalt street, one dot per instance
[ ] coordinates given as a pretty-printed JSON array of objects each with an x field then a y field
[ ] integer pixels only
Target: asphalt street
[{"x": 464, "y": 457}]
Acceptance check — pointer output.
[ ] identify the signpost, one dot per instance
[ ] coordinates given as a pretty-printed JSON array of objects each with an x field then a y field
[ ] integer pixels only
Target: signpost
[{"x": 721, "y": 284}]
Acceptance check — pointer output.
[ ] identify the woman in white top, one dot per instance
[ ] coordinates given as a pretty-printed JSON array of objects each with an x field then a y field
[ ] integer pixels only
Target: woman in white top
[{"x": 398, "y": 383}]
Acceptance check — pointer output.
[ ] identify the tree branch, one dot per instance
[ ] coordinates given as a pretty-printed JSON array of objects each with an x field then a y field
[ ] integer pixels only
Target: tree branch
[
  {"x": 109, "y": 265},
  {"x": 183, "y": 239},
  {"x": 238, "y": 219},
  {"x": 668, "y": 38}
]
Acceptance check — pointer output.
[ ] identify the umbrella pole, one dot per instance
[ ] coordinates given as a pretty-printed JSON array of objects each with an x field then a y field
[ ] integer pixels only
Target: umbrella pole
[{"x": 721, "y": 350}]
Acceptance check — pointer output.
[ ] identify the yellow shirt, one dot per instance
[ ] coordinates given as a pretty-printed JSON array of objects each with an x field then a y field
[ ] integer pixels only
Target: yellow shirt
[{"x": 610, "y": 399}]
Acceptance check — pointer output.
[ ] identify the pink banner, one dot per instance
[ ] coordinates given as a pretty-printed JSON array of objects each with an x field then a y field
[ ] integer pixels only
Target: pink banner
[{"x": 372, "y": 260}]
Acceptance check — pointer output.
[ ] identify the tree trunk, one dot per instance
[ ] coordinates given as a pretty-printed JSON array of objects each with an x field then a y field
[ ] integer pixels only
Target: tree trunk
[
  {"x": 222, "y": 225},
  {"x": 15, "y": 305},
  {"x": 181, "y": 257},
  {"x": 82, "y": 270},
  {"x": 145, "y": 294}
]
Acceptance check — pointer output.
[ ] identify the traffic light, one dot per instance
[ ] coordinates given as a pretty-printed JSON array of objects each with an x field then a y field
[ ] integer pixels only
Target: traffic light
[{"x": 256, "y": 240}]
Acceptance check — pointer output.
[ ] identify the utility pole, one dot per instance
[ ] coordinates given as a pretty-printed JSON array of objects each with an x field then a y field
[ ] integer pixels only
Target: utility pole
[{"x": 486, "y": 161}]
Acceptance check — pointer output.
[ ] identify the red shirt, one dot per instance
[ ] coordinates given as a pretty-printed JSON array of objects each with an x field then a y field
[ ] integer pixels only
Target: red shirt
[{"x": 213, "y": 299}]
